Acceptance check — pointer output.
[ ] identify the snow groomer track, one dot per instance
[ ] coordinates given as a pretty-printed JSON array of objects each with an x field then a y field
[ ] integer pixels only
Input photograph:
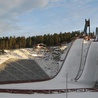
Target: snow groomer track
[{"x": 64, "y": 81}]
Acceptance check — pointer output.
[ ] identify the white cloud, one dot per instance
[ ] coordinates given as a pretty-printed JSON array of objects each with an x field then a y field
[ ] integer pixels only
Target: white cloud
[
  {"x": 7, "y": 5},
  {"x": 23, "y": 6},
  {"x": 11, "y": 10},
  {"x": 20, "y": 6}
]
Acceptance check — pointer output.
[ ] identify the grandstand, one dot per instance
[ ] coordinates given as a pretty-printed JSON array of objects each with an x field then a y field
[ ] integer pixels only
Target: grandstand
[{"x": 21, "y": 70}]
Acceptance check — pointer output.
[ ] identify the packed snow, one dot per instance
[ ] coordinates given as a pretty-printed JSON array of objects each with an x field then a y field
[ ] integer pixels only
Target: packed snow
[
  {"x": 45, "y": 59},
  {"x": 80, "y": 52},
  {"x": 70, "y": 95}
]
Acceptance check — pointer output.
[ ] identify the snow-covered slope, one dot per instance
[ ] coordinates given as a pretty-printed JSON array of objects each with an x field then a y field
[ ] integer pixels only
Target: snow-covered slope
[
  {"x": 43, "y": 58},
  {"x": 59, "y": 81},
  {"x": 69, "y": 95},
  {"x": 71, "y": 67},
  {"x": 90, "y": 73},
  {"x": 73, "y": 59}
]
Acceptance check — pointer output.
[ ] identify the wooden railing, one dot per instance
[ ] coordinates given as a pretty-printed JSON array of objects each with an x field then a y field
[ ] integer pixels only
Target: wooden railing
[{"x": 50, "y": 91}]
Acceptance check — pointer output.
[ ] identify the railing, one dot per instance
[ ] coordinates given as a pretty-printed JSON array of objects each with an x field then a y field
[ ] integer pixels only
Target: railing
[{"x": 49, "y": 91}]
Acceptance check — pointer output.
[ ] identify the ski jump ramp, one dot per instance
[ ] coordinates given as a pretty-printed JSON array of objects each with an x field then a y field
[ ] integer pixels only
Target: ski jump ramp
[
  {"x": 90, "y": 73},
  {"x": 71, "y": 67}
]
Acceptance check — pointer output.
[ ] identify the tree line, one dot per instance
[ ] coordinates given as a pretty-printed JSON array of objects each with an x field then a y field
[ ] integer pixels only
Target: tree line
[{"x": 48, "y": 39}]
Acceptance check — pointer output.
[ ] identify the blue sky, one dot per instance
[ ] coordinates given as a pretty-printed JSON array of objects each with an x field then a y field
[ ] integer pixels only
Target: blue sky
[{"x": 39, "y": 17}]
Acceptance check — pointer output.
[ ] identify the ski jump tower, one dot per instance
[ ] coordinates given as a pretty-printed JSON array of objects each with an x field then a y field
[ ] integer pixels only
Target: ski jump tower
[
  {"x": 96, "y": 33},
  {"x": 87, "y": 25}
]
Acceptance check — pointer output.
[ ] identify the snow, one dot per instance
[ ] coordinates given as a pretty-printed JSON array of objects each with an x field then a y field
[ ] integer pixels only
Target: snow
[
  {"x": 43, "y": 58},
  {"x": 63, "y": 47},
  {"x": 77, "y": 55},
  {"x": 90, "y": 72},
  {"x": 70, "y": 66},
  {"x": 73, "y": 59},
  {"x": 70, "y": 95}
]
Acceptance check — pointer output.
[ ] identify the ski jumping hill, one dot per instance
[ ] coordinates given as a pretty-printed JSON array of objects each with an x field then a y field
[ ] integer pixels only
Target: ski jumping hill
[
  {"x": 90, "y": 73},
  {"x": 80, "y": 52}
]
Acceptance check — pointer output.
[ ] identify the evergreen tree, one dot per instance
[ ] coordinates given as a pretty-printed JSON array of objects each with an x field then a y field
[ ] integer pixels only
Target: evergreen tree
[
  {"x": 7, "y": 43},
  {"x": 23, "y": 41},
  {"x": 56, "y": 39},
  {"x": 28, "y": 42}
]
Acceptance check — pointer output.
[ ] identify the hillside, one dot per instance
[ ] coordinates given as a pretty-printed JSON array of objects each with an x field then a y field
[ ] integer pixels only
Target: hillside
[
  {"x": 78, "y": 61},
  {"x": 45, "y": 59}
]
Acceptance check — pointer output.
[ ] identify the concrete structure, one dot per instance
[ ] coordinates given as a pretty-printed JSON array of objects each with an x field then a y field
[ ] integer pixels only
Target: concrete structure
[
  {"x": 96, "y": 33},
  {"x": 87, "y": 24}
]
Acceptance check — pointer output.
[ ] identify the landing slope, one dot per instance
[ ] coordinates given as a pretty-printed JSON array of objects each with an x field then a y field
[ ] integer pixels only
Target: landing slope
[
  {"x": 71, "y": 65},
  {"x": 21, "y": 70},
  {"x": 90, "y": 73},
  {"x": 73, "y": 60}
]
